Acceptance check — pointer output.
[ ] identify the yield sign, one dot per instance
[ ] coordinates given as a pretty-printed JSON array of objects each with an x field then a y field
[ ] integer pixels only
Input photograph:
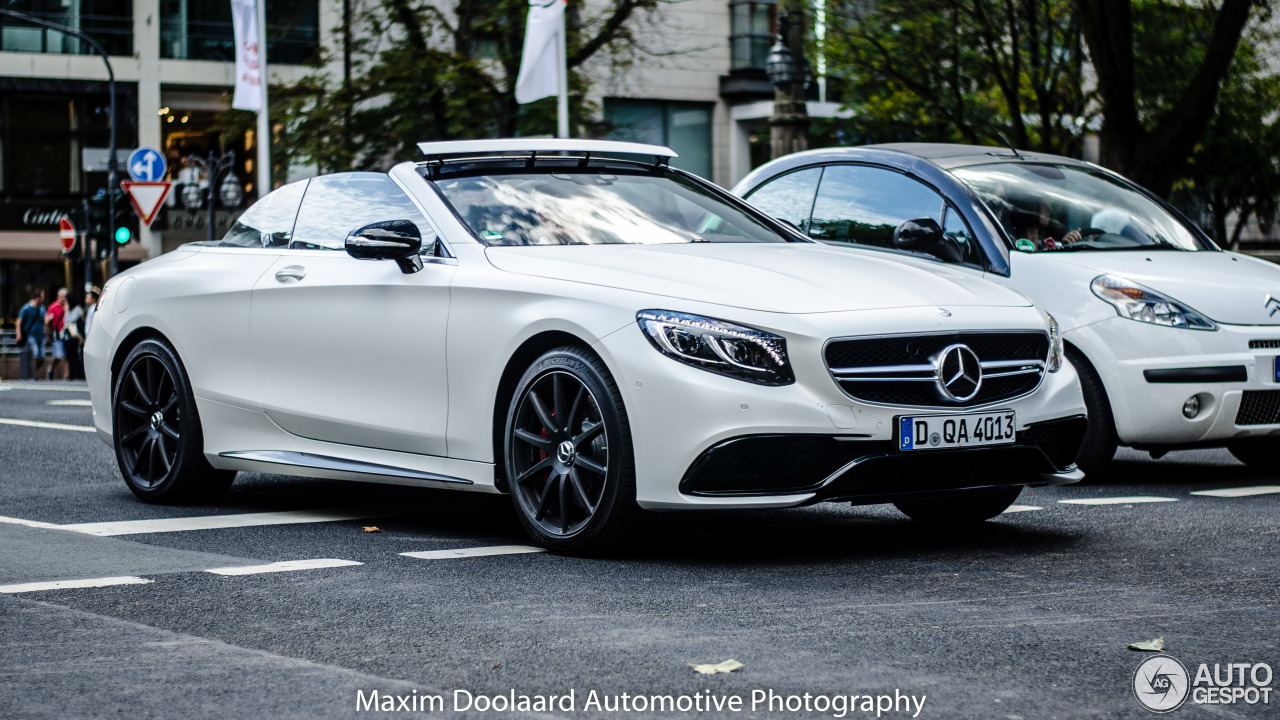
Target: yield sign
[
  {"x": 147, "y": 197},
  {"x": 67, "y": 233}
]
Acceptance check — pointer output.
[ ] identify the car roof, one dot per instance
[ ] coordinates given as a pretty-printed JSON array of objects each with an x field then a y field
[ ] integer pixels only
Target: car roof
[{"x": 943, "y": 155}]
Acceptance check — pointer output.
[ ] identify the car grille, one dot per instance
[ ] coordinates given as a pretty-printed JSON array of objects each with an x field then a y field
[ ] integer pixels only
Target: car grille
[
  {"x": 1259, "y": 407},
  {"x": 899, "y": 370},
  {"x": 1263, "y": 344}
]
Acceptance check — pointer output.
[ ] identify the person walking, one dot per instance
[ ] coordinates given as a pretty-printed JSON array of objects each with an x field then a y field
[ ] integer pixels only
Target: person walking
[
  {"x": 31, "y": 337},
  {"x": 90, "y": 307},
  {"x": 75, "y": 340},
  {"x": 56, "y": 328}
]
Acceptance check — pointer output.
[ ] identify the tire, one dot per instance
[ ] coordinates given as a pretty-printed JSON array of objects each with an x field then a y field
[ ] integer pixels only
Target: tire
[
  {"x": 572, "y": 481},
  {"x": 1260, "y": 454},
  {"x": 973, "y": 507},
  {"x": 158, "y": 438},
  {"x": 1100, "y": 440}
]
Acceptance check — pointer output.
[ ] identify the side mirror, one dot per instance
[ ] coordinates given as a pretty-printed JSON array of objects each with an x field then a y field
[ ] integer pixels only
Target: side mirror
[
  {"x": 924, "y": 234},
  {"x": 398, "y": 240}
]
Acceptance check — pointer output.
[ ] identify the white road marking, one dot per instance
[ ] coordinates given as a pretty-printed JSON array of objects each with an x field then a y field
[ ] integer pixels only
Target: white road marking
[
  {"x": 67, "y": 584},
  {"x": 47, "y": 425},
  {"x": 473, "y": 552},
  {"x": 1118, "y": 500},
  {"x": 1240, "y": 492},
  {"x": 76, "y": 403},
  {"x": 1020, "y": 508},
  {"x": 43, "y": 386},
  {"x": 285, "y": 566},
  {"x": 28, "y": 523},
  {"x": 216, "y": 522}
]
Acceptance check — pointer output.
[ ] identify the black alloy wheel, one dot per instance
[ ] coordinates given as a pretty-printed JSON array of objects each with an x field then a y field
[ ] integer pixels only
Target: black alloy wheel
[
  {"x": 1100, "y": 438},
  {"x": 568, "y": 454},
  {"x": 158, "y": 438}
]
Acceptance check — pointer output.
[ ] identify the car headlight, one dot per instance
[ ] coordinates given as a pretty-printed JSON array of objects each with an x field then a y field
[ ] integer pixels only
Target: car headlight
[
  {"x": 1055, "y": 345},
  {"x": 718, "y": 346},
  {"x": 1136, "y": 302}
]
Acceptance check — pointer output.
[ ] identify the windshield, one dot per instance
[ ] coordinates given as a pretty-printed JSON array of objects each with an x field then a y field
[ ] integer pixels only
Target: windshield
[
  {"x": 590, "y": 206},
  {"x": 1060, "y": 208}
]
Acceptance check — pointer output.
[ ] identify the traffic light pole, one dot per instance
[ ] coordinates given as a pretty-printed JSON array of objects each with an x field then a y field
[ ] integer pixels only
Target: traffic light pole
[{"x": 113, "y": 179}]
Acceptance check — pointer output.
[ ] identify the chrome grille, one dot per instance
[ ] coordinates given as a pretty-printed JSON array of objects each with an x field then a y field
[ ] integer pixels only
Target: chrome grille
[{"x": 900, "y": 370}]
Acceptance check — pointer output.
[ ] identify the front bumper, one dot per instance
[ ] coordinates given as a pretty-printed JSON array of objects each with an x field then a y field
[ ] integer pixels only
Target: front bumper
[
  {"x": 1149, "y": 372},
  {"x": 877, "y": 471},
  {"x": 679, "y": 413}
]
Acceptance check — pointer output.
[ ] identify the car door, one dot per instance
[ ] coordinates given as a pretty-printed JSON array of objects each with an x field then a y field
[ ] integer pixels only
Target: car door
[
  {"x": 860, "y": 205},
  {"x": 353, "y": 351}
]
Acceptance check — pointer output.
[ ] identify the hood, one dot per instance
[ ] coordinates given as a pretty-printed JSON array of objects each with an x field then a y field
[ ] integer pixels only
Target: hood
[
  {"x": 783, "y": 278},
  {"x": 1225, "y": 287}
]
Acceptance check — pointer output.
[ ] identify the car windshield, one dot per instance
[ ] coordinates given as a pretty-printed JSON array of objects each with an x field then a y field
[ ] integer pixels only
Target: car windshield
[
  {"x": 591, "y": 206},
  {"x": 1062, "y": 208}
]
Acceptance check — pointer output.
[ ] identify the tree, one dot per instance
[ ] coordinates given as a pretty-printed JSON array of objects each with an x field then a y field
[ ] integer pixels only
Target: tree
[
  {"x": 1153, "y": 147},
  {"x": 961, "y": 70},
  {"x": 419, "y": 73}
]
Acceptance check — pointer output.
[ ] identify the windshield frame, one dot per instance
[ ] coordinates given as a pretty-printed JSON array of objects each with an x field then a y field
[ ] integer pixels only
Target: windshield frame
[
  {"x": 1203, "y": 241},
  {"x": 551, "y": 164}
]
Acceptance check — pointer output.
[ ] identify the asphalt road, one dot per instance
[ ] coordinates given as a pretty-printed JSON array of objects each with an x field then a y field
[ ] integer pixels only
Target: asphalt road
[{"x": 1025, "y": 617}]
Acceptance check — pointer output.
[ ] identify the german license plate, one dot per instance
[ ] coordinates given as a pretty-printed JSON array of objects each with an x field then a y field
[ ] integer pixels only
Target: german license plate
[{"x": 937, "y": 432}]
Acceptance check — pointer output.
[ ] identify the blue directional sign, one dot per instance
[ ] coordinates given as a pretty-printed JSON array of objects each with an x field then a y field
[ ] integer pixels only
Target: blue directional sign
[{"x": 146, "y": 165}]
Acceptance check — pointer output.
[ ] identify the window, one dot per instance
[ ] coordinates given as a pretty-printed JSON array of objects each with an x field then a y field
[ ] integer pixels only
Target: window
[
  {"x": 269, "y": 222},
  {"x": 336, "y": 205},
  {"x": 110, "y": 22},
  {"x": 197, "y": 30},
  {"x": 682, "y": 126},
  {"x": 572, "y": 206},
  {"x": 789, "y": 197},
  {"x": 864, "y": 205},
  {"x": 752, "y": 27}
]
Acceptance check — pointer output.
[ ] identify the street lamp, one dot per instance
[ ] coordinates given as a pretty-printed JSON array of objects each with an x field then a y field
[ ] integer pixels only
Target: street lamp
[{"x": 787, "y": 71}]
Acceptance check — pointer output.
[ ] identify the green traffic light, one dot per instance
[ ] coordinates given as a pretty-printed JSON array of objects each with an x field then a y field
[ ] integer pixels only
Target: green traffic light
[{"x": 123, "y": 235}]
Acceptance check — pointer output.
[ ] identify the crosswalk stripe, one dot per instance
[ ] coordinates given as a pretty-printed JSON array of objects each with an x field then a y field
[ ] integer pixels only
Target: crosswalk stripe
[
  {"x": 284, "y": 566},
  {"x": 216, "y": 522},
  {"x": 1020, "y": 508},
  {"x": 73, "y": 403},
  {"x": 43, "y": 386},
  {"x": 68, "y": 584},
  {"x": 1118, "y": 500},
  {"x": 28, "y": 523},
  {"x": 47, "y": 425},
  {"x": 473, "y": 552},
  {"x": 1239, "y": 492}
]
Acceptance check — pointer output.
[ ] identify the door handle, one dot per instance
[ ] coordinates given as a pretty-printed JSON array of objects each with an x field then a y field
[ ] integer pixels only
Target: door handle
[{"x": 292, "y": 273}]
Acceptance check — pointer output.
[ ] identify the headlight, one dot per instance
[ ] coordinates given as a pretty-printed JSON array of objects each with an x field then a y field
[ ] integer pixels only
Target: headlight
[
  {"x": 718, "y": 346},
  {"x": 1055, "y": 345},
  {"x": 1135, "y": 302}
]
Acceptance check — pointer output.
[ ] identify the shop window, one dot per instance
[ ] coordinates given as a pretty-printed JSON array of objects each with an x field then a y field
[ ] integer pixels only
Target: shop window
[
  {"x": 195, "y": 30},
  {"x": 682, "y": 126},
  {"x": 752, "y": 29},
  {"x": 109, "y": 22}
]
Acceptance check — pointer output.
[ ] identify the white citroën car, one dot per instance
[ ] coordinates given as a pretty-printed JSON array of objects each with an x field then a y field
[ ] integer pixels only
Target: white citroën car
[{"x": 591, "y": 335}]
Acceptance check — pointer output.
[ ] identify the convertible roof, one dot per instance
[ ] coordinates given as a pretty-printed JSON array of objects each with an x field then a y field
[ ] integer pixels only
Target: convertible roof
[{"x": 532, "y": 147}]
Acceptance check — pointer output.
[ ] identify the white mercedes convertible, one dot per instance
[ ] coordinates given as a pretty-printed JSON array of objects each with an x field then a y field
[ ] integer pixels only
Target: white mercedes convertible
[{"x": 592, "y": 335}]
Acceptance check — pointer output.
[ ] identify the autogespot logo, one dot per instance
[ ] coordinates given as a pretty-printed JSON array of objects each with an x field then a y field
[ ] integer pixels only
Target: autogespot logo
[{"x": 1161, "y": 683}]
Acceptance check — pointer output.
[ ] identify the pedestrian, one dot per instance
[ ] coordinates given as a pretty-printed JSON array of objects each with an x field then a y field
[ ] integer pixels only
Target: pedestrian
[
  {"x": 31, "y": 336},
  {"x": 90, "y": 307},
  {"x": 75, "y": 340},
  {"x": 56, "y": 328}
]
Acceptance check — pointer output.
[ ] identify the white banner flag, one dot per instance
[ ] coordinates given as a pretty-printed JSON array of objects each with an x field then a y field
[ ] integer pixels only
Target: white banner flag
[
  {"x": 540, "y": 64},
  {"x": 244, "y": 19}
]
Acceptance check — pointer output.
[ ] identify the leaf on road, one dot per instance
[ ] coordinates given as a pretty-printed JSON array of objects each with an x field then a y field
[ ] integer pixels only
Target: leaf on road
[
  {"x": 727, "y": 666},
  {"x": 1156, "y": 645},
  {"x": 372, "y": 528}
]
